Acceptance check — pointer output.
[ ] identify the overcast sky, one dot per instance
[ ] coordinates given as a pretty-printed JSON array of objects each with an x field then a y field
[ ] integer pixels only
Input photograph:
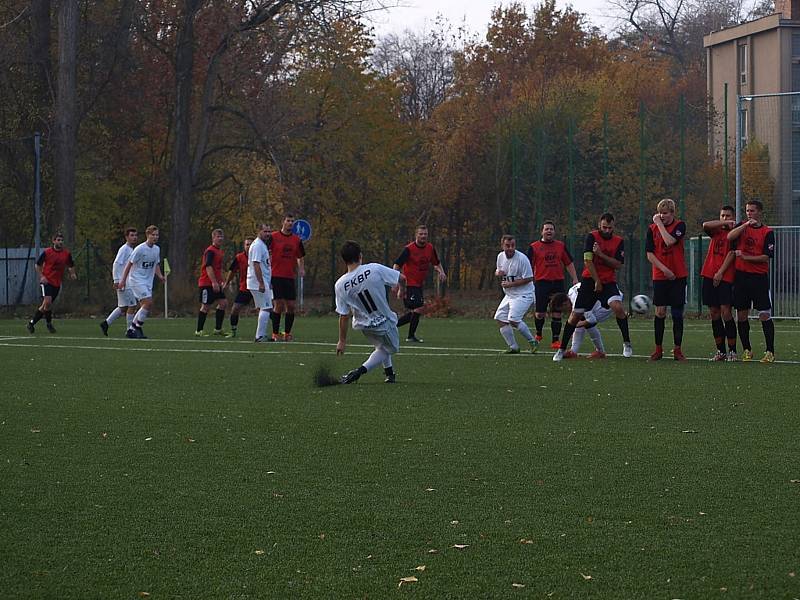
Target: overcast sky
[{"x": 413, "y": 14}]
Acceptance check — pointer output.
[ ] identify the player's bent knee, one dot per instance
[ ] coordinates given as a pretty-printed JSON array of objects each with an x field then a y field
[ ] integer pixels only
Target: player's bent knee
[
  {"x": 676, "y": 312},
  {"x": 764, "y": 315}
]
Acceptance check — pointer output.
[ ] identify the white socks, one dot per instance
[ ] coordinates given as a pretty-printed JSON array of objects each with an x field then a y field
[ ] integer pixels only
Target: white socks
[
  {"x": 508, "y": 335},
  {"x": 577, "y": 338},
  {"x": 141, "y": 317},
  {"x": 594, "y": 333},
  {"x": 378, "y": 357},
  {"x": 114, "y": 315},
  {"x": 263, "y": 319},
  {"x": 129, "y": 319},
  {"x": 523, "y": 329}
]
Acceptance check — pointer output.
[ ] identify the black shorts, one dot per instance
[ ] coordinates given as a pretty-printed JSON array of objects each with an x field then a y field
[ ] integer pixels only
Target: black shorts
[
  {"x": 50, "y": 290},
  {"x": 587, "y": 296},
  {"x": 413, "y": 298},
  {"x": 209, "y": 296},
  {"x": 243, "y": 297},
  {"x": 283, "y": 288},
  {"x": 721, "y": 295},
  {"x": 669, "y": 292},
  {"x": 545, "y": 290},
  {"x": 751, "y": 289}
]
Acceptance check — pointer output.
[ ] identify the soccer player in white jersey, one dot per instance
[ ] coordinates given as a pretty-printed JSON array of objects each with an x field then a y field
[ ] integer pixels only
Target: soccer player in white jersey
[
  {"x": 259, "y": 275},
  {"x": 516, "y": 279},
  {"x": 126, "y": 303},
  {"x": 588, "y": 324},
  {"x": 138, "y": 276},
  {"x": 362, "y": 292}
]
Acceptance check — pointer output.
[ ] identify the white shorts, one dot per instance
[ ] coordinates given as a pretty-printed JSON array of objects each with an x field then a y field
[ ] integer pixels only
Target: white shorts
[
  {"x": 512, "y": 310},
  {"x": 597, "y": 314},
  {"x": 262, "y": 300},
  {"x": 140, "y": 292},
  {"x": 126, "y": 298},
  {"x": 384, "y": 337}
]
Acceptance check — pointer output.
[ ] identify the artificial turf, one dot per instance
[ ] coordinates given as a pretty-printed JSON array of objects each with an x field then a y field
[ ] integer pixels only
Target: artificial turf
[{"x": 179, "y": 467}]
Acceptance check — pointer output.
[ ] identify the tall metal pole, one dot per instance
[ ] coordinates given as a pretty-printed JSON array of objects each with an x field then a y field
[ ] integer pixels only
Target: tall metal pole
[
  {"x": 641, "y": 195},
  {"x": 739, "y": 125},
  {"x": 540, "y": 180},
  {"x": 37, "y": 193},
  {"x": 725, "y": 192},
  {"x": 514, "y": 182},
  {"x": 682, "y": 189},
  {"x": 605, "y": 161},
  {"x": 571, "y": 181}
]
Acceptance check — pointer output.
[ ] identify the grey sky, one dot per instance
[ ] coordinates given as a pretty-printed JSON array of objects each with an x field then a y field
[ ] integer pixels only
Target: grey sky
[{"x": 413, "y": 14}]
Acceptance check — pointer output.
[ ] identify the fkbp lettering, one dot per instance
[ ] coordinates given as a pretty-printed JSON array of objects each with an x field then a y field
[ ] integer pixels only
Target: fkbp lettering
[{"x": 362, "y": 277}]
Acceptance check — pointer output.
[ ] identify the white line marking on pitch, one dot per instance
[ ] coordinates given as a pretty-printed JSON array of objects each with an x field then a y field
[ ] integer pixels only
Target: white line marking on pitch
[{"x": 264, "y": 350}]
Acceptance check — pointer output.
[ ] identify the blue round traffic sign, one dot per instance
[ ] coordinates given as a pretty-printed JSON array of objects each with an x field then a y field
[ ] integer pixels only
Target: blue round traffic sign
[{"x": 302, "y": 229}]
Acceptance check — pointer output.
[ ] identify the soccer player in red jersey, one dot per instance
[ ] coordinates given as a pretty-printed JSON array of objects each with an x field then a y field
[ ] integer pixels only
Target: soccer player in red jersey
[
  {"x": 287, "y": 252},
  {"x": 50, "y": 266},
  {"x": 243, "y": 296},
  {"x": 211, "y": 284},
  {"x": 755, "y": 246},
  {"x": 414, "y": 263},
  {"x": 718, "y": 274},
  {"x": 549, "y": 257},
  {"x": 603, "y": 256},
  {"x": 664, "y": 247}
]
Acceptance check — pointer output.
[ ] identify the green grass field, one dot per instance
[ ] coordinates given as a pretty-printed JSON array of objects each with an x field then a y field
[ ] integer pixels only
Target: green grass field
[{"x": 179, "y": 467}]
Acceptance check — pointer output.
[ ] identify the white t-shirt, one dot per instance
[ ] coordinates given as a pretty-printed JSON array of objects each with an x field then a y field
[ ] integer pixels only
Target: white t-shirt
[
  {"x": 516, "y": 267},
  {"x": 144, "y": 259},
  {"x": 121, "y": 261},
  {"x": 363, "y": 292},
  {"x": 258, "y": 253}
]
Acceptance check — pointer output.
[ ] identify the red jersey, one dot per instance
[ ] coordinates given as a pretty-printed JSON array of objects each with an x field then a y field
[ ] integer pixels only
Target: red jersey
[
  {"x": 755, "y": 241},
  {"x": 416, "y": 261},
  {"x": 613, "y": 247},
  {"x": 672, "y": 256},
  {"x": 718, "y": 249},
  {"x": 239, "y": 265},
  {"x": 54, "y": 263},
  {"x": 286, "y": 248},
  {"x": 213, "y": 258},
  {"x": 548, "y": 260}
]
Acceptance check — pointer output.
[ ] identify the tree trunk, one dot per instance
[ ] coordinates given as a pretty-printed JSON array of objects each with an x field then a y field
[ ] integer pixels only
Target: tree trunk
[
  {"x": 183, "y": 199},
  {"x": 66, "y": 139},
  {"x": 40, "y": 54}
]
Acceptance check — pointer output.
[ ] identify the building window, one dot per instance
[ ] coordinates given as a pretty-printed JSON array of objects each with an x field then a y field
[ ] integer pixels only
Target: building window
[
  {"x": 796, "y": 161},
  {"x": 743, "y": 128},
  {"x": 743, "y": 64},
  {"x": 796, "y": 45}
]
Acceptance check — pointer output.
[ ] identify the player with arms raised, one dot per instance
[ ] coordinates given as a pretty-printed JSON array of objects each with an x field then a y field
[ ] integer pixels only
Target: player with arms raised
[
  {"x": 664, "y": 248},
  {"x": 361, "y": 292},
  {"x": 718, "y": 273},
  {"x": 603, "y": 255},
  {"x": 755, "y": 246},
  {"x": 516, "y": 279}
]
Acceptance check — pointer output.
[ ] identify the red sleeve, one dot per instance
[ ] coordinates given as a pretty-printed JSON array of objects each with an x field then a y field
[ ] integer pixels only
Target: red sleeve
[{"x": 566, "y": 257}]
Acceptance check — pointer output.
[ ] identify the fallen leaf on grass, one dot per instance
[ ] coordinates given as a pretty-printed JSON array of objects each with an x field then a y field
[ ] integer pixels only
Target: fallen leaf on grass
[
  {"x": 36, "y": 430},
  {"x": 259, "y": 552},
  {"x": 453, "y": 522},
  {"x": 190, "y": 440},
  {"x": 144, "y": 594},
  {"x": 794, "y": 481},
  {"x": 433, "y": 551},
  {"x": 104, "y": 435},
  {"x": 430, "y": 489},
  {"x": 586, "y": 577},
  {"x": 407, "y": 580},
  {"x": 420, "y": 568},
  {"x": 518, "y": 585},
  {"x": 525, "y": 541},
  {"x": 147, "y": 439},
  {"x": 689, "y": 431},
  {"x": 460, "y": 546}
]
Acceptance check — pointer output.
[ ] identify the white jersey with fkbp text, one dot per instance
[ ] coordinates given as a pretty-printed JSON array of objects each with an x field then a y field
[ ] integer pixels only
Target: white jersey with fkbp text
[
  {"x": 258, "y": 253},
  {"x": 121, "y": 261},
  {"x": 516, "y": 267},
  {"x": 363, "y": 292},
  {"x": 144, "y": 259}
]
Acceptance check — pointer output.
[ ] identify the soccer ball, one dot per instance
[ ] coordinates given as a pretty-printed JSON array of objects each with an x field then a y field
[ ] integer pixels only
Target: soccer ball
[{"x": 641, "y": 304}]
